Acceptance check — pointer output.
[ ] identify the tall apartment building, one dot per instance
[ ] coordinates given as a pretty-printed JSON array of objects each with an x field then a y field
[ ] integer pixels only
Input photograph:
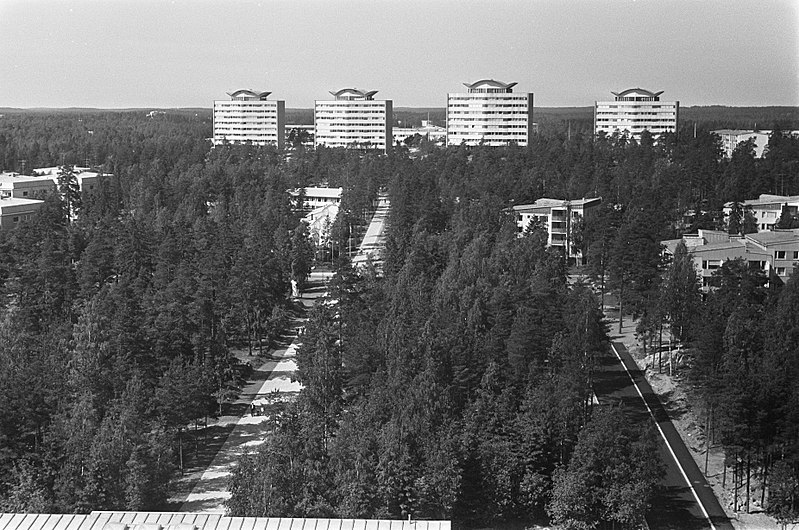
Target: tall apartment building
[
  {"x": 635, "y": 110},
  {"x": 489, "y": 113},
  {"x": 354, "y": 119},
  {"x": 249, "y": 117}
]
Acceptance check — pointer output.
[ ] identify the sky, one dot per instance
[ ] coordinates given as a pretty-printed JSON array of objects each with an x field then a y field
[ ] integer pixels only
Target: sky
[{"x": 188, "y": 53}]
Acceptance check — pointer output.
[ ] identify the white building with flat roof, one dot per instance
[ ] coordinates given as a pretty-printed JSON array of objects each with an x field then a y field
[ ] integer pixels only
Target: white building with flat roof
[
  {"x": 14, "y": 211},
  {"x": 489, "y": 113},
  {"x": 730, "y": 138},
  {"x": 560, "y": 218},
  {"x": 24, "y": 186},
  {"x": 314, "y": 197},
  {"x": 88, "y": 180},
  {"x": 354, "y": 119},
  {"x": 249, "y": 117},
  {"x": 635, "y": 110}
]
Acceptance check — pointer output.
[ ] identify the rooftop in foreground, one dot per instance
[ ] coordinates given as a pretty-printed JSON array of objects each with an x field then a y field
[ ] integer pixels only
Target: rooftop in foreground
[{"x": 199, "y": 521}]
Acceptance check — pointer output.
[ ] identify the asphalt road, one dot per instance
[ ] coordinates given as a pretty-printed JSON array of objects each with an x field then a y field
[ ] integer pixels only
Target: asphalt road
[{"x": 676, "y": 506}]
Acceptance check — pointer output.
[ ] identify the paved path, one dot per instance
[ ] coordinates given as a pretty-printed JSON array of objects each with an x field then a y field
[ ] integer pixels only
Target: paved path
[
  {"x": 374, "y": 240},
  {"x": 676, "y": 507},
  {"x": 272, "y": 382}
]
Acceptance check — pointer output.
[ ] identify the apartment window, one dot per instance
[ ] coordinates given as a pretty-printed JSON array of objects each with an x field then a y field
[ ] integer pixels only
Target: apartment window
[
  {"x": 779, "y": 254},
  {"x": 796, "y": 254},
  {"x": 24, "y": 193},
  {"x": 15, "y": 219},
  {"x": 780, "y": 271}
]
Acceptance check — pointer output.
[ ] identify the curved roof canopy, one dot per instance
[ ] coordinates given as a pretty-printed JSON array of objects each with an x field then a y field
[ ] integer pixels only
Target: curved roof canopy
[
  {"x": 636, "y": 92},
  {"x": 250, "y": 94},
  {"x": 489, "y": 83},
  {"x": 353, "y": 93}
]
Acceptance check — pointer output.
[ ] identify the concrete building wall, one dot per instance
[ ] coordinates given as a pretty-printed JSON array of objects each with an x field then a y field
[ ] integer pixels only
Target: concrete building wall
[
  {"x": 489, "y": 118},
  {"x": 258, "y": 121},
  {"x": 636, "y": 110},
  {"x": 363, "y": 124}
]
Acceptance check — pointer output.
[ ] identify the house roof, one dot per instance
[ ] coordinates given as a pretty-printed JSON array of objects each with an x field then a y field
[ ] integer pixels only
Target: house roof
[
  {"x": 14, "y": 201},
  {"x": 775, "y": 237},
  {"x": 248, "y": 93},
  {"x": 556, "y": 203}
]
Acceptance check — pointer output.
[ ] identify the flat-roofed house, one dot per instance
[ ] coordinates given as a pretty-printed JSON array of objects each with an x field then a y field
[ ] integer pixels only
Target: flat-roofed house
[
  {"x": 560, "y": 218},
  {"x": 24, "y": 186},
  {"x": 15, "y": 211}
]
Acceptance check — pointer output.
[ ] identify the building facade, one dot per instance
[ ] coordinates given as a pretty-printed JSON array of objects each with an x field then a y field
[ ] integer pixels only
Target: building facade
[
  {"x": 767, "y": 209},
  {"x": 354, "y": 119},
  {"x": 489, "y": 113},
  {"x": 315, "y": 197},
  {"x": 14, "y": 211},
  {"x": 24, "y": 186},
  {"x": 562, "y": 219},
  {"x": 249, "y": 117},
  {"x": 775, "y": 253},
  {"x": 730, "y": 138},
  {"x": 635, "y": 110}
]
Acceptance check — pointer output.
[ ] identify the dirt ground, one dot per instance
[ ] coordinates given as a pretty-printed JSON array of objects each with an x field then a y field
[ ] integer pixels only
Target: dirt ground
[{"x": 690, "y": 423}]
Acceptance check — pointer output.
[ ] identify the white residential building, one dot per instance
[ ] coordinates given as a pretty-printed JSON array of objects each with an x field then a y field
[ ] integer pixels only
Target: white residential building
[
  {"x": 489, "y": 113},
  {"x": 635, "y": 110},
  {"x": 88, "y": 180},
  {"x": 776, "y": 253},
  {"x": 767, "y": 209},
  {"x": 249, "y": 117},
  {"x": 560, "y": 218},
  {"x": 14, "y": 211},
  {"x": 315, "y": 197},
  {"x": 730, "y": 138},
  {"x": 354, "y": 119},
  {"x": 24, "y": 186}
]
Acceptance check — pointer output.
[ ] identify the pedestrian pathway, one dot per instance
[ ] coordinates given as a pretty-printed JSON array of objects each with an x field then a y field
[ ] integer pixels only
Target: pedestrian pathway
[{"x": 272, "y": 382}]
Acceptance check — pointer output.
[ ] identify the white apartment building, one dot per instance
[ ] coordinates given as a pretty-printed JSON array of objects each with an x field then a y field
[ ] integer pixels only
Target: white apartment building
[
  {"x": 635, "y": 110},
  {"x": 249, "y": 117},
  {"x": 776, "y": 253},
  {"x": 315, "y": 197},
  {"x": 354, "y": 119},
  {"x": 14, "y": 211},
  {"x": 767, "y": 209},
  {"x": 24, "y": 186},
  {"x": 730, "y": 138},
  {"x": 489, "y": 113},
  {"x": 559, "y": 218}
]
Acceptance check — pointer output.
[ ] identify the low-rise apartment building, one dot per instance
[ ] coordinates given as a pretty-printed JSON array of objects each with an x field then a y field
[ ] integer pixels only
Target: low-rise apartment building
[
  {"x": 730, "y": 138},
  {"x": 560, "y": 218},
  {"x": 88, "y": 180},
  {"x": 776, "y": 253},
  {"x": 24, "y": 186},
  {"x": 767, "y": 209},
  {"x": 314, "y": 197},
  {"x": 15, "y": 211}
]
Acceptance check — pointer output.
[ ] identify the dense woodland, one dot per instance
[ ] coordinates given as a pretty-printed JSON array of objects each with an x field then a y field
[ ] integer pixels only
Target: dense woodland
[{"x": 457, "y": 384}]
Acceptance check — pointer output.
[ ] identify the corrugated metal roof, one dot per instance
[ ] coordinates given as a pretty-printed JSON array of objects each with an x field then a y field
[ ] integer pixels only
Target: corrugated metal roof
[{"x": 197, "y": 521}]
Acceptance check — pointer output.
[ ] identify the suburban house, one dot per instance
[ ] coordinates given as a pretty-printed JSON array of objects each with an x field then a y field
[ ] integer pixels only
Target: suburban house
[
  {"x": 774, "y": 252},
  {"x": 560, "y": 218},
  {"x": 767, "y": 209},
  {"x": 314, "y": 197}
]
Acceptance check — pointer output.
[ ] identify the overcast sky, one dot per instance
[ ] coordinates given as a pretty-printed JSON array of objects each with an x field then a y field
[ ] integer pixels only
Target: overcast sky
[{"x": 187, "y": 53}]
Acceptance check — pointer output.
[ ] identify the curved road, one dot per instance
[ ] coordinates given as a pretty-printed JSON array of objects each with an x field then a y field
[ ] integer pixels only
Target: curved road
[{"x": 676, "y": 506}]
